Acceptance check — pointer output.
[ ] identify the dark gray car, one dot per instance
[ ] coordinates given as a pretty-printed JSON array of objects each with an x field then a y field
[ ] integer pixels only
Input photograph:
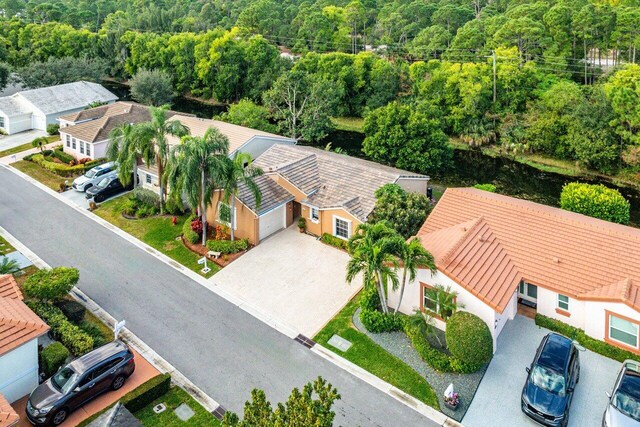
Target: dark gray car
[
  {"x": 624, "y": 401},
  {"x": 105, "y": 368}
]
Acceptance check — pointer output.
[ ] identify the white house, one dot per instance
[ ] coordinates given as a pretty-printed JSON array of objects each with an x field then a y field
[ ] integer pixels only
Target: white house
[
  {"x": 502, "y": 255},
  {"x": 19, "y": 332},
  {"x": 37, "y": 108}
]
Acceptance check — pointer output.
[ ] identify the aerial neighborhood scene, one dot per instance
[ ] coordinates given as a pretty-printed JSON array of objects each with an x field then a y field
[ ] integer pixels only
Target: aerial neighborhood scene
[{"x": 320, "y": 213}]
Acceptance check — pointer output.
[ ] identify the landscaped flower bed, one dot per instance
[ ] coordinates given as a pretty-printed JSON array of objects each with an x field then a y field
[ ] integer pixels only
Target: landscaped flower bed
[{"x": 61, "y": 163}]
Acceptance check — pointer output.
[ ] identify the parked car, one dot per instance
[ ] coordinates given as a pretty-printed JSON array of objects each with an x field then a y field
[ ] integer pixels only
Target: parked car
[
  {"x": 551, "y": 380},
  {"x": 624, "y": 401},
  {"x": 105, "y": 368},
  {"x": 94, "y": 176},
  {"x": 109, "y": 186}
]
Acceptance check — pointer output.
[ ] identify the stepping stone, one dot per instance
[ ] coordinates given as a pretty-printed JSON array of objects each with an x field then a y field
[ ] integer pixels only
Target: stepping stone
[
  {"x": 184, "y": 412},
  {"x": 339, "y": 343}
]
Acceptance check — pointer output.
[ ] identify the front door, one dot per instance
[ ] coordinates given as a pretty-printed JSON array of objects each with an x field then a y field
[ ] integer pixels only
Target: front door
[
  {"x": 297, "y": 210},
  {"x": 528, "y": 292}
]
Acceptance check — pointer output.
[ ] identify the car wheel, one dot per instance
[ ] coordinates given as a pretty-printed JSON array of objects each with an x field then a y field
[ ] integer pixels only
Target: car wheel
[
  {"x": 565, "y": 421},
  {"x": 118, "y": 382},
  {"x": 59, "y": 417},
  {"x": 98, "y": 199}
]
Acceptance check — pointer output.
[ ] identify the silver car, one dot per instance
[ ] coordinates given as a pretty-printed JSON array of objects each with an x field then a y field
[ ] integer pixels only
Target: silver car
[
  {"x": 624, "y": 400},
  {"x": 94, "y": 176}
]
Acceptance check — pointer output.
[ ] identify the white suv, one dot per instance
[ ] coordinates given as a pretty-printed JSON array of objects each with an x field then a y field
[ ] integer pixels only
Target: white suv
[{"x": 94, "y": 176}]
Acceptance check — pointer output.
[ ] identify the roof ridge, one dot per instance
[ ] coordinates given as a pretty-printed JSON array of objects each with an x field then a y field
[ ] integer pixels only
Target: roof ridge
[{"x": 446, "y": 258}]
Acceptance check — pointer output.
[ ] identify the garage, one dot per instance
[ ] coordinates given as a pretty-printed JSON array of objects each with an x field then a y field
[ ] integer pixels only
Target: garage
[{"x": 272, "y": 221}]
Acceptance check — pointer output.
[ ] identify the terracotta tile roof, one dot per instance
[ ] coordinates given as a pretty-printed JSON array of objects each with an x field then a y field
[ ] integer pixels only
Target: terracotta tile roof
[
  {"x": 566, "y": 252},
  {"x": 8, "y": 416},
  {"x": 9, "y": 287},
  {"x": 18, "y": 324}
]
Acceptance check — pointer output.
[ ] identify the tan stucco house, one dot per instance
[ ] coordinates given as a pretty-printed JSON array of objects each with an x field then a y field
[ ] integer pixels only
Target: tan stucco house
[
  {"x": 505, "y": 256},
  {"x": 333, "y": 192}
]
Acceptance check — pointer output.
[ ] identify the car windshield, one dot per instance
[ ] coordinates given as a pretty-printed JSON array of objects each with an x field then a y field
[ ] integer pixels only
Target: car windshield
[
  {"x": 103, "y": 183},
  {"x": 548, "y": 380},
  {"x": 91, "y": 173},
  {"x": 65, "y": 379},
  {"x": 627, "y": 397}
]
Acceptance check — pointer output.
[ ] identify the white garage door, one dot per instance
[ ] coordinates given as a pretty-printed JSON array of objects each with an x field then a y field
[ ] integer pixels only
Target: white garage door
[{"x": 271, "y": 222}]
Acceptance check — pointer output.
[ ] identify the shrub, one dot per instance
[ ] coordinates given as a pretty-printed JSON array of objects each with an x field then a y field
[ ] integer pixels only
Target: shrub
[
  {"x": 174, "y": 206},
  {"x": 147, "y": 197},
  {"x": 91, "y": 163},
  {"x": 29, "y": 157},
  {"x": 597, "y": 201},
  {"x": 53, "y": 357},
  {"x": 62, "y": 156},
  {"x": 372, "y": 318},
  {"x": 486, "y": 187},
  {"x": 196, "y": 224},
  {"x": 228, "y": 246},
  {"x": 94, "y": 332},
  {"x": 53, "y": 129},
  {"x": 51, "y": 285},
  {"x": 130, "y": 206},
  {"x": 302, "y": 223},
  {"x": 333, "y": 241},
  {"x": 585, "y": 340},
  {"x": 76, "y": 340},
  {"x": 189, "y": 235},
  {"x": 57, "y": 168},
  {"x": 73, "y": 310},
  {"x": 469, "y": 340},
  {"x": 432, "y": 356}
]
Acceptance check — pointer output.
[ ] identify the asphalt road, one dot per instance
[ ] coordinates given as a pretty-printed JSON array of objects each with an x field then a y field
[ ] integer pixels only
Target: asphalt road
[{"x": 221, "y": 348}]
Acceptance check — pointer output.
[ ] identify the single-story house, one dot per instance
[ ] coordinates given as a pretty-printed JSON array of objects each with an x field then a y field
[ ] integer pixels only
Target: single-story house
[
  {"x": 19, "y": 331},
  {"x": 8, "y": 416},
  {"x": 502, "y": 254},
  {"x": 241, "y": 139},
  {"x": 37, "y": 108},
  {"x": 333, "y": 192},
  {"x": 85, "y": 134}
]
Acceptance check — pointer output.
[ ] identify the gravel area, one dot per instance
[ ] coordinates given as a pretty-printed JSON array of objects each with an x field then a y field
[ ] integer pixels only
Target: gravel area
[{"x": 398, "y": 344}]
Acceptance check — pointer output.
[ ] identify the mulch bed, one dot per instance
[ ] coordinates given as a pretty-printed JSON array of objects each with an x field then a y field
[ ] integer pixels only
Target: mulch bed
[{"x": 202, "y": 251}]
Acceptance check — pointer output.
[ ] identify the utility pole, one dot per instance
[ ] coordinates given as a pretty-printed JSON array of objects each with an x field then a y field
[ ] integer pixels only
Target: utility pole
[{"x": 493, "y": 56}]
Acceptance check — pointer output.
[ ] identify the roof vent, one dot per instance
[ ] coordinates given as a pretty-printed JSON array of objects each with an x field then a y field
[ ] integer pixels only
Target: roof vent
[
  {"x": 482, "y": 239},
  {"x": 556, "y": 260}
]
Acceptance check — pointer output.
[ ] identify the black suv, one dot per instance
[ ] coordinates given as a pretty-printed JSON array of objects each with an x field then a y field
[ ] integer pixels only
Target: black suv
[
  {"x": 107, "y": 187},
  {"x": 105, "y": 368},
  {"x": 551, "y": 379}
]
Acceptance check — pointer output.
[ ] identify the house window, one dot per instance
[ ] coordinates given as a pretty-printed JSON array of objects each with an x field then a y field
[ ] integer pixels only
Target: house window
[
  {"x": 88, "y": 149},
  {"x": 148, "y": 179},
  {"x": 68, "y": 141},
  {"x": 623, "y": 330},
  {"x": 528, "y": 290},
  {"x": 341, "y": 227},
  {"x": 314, "y": 214},
  {"x": 438, "y": 300},
  {"x": 81, "y": 147},
  {"x": 429, "y": 299},
  {"x": 73, "y": 143},
  {"x": 563, "y": 302},
  {"x": 1, "y": 122},
  {"x": 224, "y": 215}
]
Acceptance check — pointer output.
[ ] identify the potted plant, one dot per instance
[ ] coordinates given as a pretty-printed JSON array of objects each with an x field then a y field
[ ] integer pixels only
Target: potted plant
[
  {"x": 302, "y": 224},
  {"x": 452, "y": 401}
]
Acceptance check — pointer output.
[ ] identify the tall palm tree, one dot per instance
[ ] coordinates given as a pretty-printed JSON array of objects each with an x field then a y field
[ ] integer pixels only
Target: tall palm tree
[
  {"x": 239, "y": 171},
  {"x": 157, "y": 131},
  {"x": 195, "y": 167},
  {"x": 8, "y": 266},
  {"x": 125, "y": 148},
  {"x": 413, "y": 256},
  {"x": 372, "y": 249}
]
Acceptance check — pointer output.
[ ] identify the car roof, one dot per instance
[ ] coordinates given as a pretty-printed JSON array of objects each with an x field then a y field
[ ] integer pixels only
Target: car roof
[
  {"x": 105, "y": 166},
  {"x": 555, "y": 352},
  {"x": 82, "y": 363}
]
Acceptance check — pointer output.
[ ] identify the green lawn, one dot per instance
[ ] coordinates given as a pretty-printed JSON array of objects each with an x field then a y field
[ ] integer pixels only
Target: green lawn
[
  {"x": 174, "y": 398},
  {"x": 157, "y": 232},
  {"x": 351, "y": 124},
  {"x": 5, "y": 247},
  {"x": 370, "y": 356},
  {"x": 42, "y": 175}
]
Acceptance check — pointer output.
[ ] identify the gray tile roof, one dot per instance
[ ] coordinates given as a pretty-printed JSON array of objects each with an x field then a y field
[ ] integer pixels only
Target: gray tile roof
[
  {"x": 69, "y": 96},
  {"x": 273, "y": 195},
  {"x": 331, "y": 180},
  {"x": 11, "y": 107}
]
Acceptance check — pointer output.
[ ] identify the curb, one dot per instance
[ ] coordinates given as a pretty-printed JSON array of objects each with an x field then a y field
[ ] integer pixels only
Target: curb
[{"x": 140, "y": 346}]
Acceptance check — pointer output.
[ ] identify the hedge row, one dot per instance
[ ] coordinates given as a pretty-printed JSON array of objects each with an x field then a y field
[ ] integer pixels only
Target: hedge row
[
  {"x": 333, "y": 241},
  {"x": 57, "y": 168},
  {"x": 139, "y": 397},
  {"x": 53, "y": 357},
  {"x": 77, "y": 341},
  {"x": 190, "y": 235},
  {"x": 63, "y": 157},
  {"x": 585, "y": 340},
  {"x": 228, "y": 246}
]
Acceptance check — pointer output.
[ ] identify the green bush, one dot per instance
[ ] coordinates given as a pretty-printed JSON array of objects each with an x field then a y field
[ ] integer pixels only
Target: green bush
[
  {"x": 469, "y": 340},
  {"x": 145, "y": 211},
  {"x": 57, "y": 168},
  {"x": 130, "y": 206},
  {"x": 190, "y": 235},
  {"x": 53, "y": 357},
  {"x": 73, "y": 310},
  {"x": 333, "y": 241},
  {"x": 76, "y": 340},
  {"x": 486, "y": 187},
  {"x": 29, "y": 157},
  {"x": 228, "y": 246},
  {"x": 435, "y": 358},
  {"x": 62, "y": 156},
  {"x": 94, "y": 332},
  {"x": 92, "y": 163},
  {"x": 51, "y": 285},
  {"x": 585, "y": 340},
  {"x": 372, "y": 318},
  {"x": 146, "y": 197},
  {"x": 597, "y": 201},
  {"x": 53, "y": 129},
  {"x": 174, "y": 205}
]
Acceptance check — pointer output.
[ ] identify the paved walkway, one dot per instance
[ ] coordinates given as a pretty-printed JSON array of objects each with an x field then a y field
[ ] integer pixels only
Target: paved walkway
[
  {"x": 497, "y": 401},
  {"x": 292, "y": 277}
]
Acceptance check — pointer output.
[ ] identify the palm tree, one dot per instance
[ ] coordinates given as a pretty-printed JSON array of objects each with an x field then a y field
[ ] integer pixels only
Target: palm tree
[
  {"x": 125, "y": 148},
  {"x": 8, "y": 266},
  {"x": 425, "y": 324},
  {"x": 445, "y": 300},
  {"x": 39, "y": 142},
  {"x": 372, "y": 250},
  {"x": 195, "y": 167},
  {"x": 156, "y": 131},
  {"x": 413, "y": 255},
  {"x": 239, "y": 171}
]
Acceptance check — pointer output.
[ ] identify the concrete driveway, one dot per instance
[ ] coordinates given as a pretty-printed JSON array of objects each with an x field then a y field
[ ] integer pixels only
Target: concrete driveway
[
  {"x": 293, "y": 278},
  {"x": 497, "y": 401},
  {"x": 10, "y": 141}
]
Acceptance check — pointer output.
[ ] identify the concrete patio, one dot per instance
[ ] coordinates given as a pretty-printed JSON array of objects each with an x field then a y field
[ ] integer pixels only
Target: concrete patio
[{"x": 497, "y": 400}]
